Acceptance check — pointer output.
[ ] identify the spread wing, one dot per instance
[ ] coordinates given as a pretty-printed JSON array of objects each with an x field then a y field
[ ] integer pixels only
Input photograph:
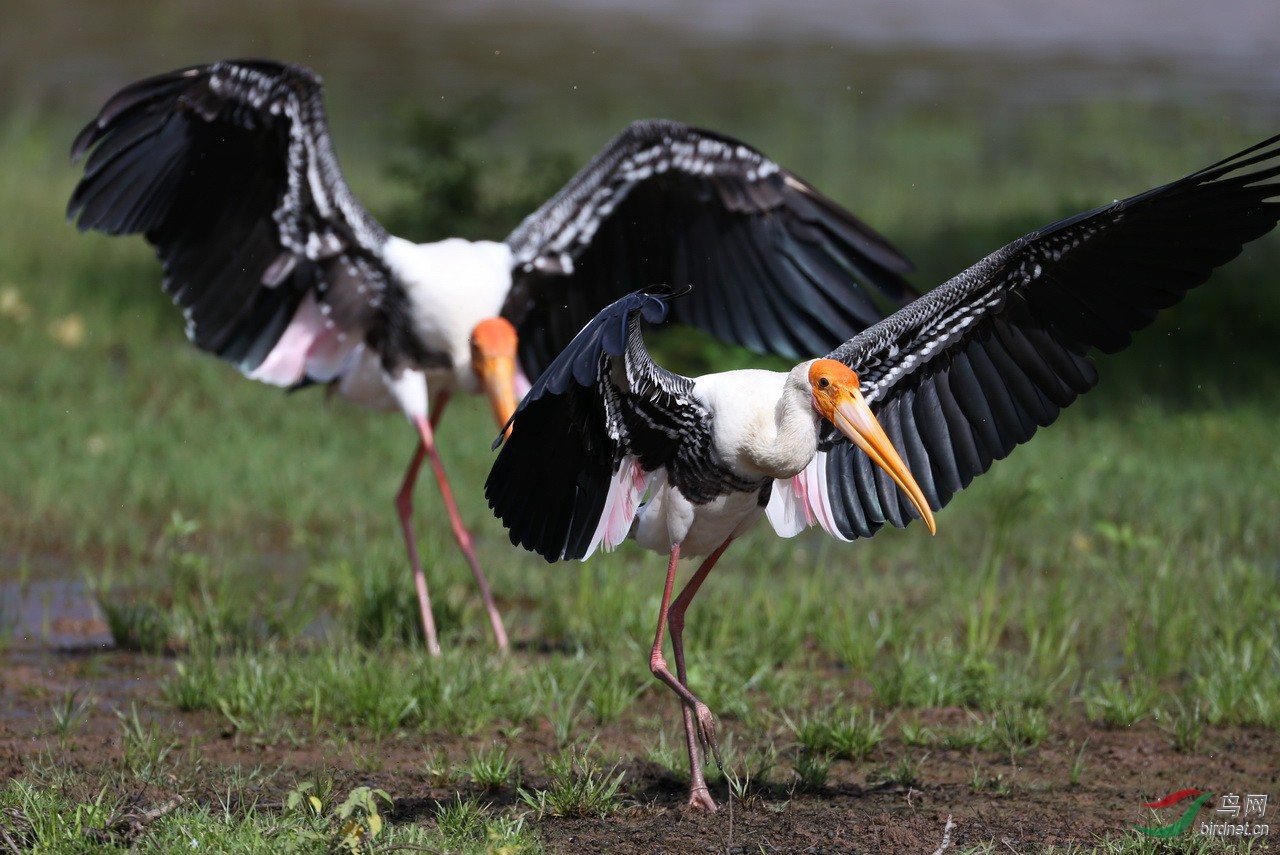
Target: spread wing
[
  {"x": 777, "y": 266},
  {"x": 971, "y": 370},
  {"x": 228, "y": 170},
  {"x": 592, "y": 426}
]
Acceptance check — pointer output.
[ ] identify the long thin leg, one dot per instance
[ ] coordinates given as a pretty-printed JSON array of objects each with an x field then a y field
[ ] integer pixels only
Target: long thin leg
[
  {"x": 437, "y": 408},
  {"x": 698, "y": 794},
  {"x": 404, "y": 501},
  {"x": 703, "y": 730},
  {"x": 404, "y": 506}
]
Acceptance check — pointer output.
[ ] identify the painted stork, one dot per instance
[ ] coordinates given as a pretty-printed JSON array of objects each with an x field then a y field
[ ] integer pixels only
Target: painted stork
[
  {"x": 229, "y": 171},
  {"x": 953, "y": 381}
]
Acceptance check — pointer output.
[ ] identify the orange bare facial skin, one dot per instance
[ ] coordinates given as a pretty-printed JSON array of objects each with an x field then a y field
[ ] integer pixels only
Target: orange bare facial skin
[
  {"x": 493, "y": 359},
  {"x": 837, "y": 395},
  {"x": 494, "y": 337},
  {"x": 830, "y": 381}
]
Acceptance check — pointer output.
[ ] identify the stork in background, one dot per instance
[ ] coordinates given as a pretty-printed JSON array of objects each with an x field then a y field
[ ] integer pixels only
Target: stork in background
[
  {"x": 229, "y": 171},
  {"x": 886, "y": 428}
]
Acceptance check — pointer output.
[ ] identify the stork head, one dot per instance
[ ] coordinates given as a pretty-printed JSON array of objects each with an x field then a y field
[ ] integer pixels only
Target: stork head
[
  {"x": 493, "y": 359},
  {"x": 837, "y": 396}
]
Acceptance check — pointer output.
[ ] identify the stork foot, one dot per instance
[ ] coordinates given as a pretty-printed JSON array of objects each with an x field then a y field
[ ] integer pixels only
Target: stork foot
[
  {"x": 700, "y": 799},
  {"x": 707, "y": 732}
]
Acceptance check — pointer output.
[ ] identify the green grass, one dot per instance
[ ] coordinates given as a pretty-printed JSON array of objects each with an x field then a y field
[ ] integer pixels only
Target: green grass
[
  {"x": 841, "y": 731},
  {"x": 812, "y": 769},
  {"x": 579, "y": 786},
  {"x": 68, "y": 714},
  {"x": 1119, "y": 570},
  {"x": 492, "y": 769},
  {"x": 383, "y": 691},
  {"x": 1116, "y": 705},
  {"x": 42, "y": 818}
]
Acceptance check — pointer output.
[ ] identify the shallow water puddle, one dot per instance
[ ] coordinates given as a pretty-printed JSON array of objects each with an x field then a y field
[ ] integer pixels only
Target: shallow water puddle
[{"x": 52, "y": 613}]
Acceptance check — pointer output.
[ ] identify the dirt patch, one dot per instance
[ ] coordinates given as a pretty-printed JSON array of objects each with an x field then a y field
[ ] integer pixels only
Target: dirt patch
[{"x": 1018, "y": 804}]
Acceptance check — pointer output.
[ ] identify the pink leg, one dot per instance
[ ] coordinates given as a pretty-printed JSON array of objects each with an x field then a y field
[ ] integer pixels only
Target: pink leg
[
  {"x": 460, "y": 533},
  {"x": 404, "y": 505},
  {"x": 699, "y": 796},
  {"x": 437, "y": 408},
  {"x": 704, "y": 729}
]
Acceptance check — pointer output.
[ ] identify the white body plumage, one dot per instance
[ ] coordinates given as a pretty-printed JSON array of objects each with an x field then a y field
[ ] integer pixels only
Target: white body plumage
[
  {"x": 763, "y": 426},
  {"x": 443, "y": 316}
]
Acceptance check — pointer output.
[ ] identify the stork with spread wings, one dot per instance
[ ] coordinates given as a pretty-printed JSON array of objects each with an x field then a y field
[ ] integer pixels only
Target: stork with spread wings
[
  {"x": 885, "y": 429},
  {"x": 228, "y": 170}
]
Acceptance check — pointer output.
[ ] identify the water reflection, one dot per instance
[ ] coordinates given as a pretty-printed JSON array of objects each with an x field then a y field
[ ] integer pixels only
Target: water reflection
[{"x": 60, "y": 613}]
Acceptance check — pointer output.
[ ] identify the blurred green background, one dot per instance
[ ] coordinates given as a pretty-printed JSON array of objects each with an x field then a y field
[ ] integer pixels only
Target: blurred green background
[
  {"x": 1123, "y": 568},
  {"x": 952, "y": 128}
]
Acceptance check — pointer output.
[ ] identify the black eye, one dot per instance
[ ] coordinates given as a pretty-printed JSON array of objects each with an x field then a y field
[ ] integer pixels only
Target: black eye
[{"x": 823, "y": 382}]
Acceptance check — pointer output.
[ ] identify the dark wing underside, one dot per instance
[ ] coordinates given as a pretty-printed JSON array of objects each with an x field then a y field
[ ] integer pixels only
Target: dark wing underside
[
  {"x": 972, "y": 369},
  {"x": 602, "y": 399},
  {"x": 777, "y": 266},
  {"x": 228, "y": 171}
]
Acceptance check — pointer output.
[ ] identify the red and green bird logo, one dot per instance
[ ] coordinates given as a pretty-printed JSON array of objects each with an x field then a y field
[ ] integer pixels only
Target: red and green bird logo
[{"x": 1184, "y": 821}]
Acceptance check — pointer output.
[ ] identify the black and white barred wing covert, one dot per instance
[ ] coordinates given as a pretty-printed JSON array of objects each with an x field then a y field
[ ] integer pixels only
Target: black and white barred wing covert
[
  {"x": 778, "y": 267},
  {"x": 969, "y": 371},
  {"x": 585, "y": 438},
  {"x": 229, "y": 172}
]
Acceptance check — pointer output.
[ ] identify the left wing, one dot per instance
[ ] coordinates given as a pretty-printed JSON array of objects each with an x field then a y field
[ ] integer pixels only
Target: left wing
[
  {"x": 594, "y": 424},
  {"x": 965, "y": 374},
  {"x": 779, "y": 267},
  {"x": 229, "y": 172}
]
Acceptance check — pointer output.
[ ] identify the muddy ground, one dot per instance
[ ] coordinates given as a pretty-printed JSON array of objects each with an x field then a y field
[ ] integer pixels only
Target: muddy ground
[{"x": 1006, "y": 805}]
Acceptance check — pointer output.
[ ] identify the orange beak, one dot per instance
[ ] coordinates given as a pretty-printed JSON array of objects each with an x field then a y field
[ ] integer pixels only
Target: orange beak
[
  {"x": 838, "y": 397},
  {"x": 493, "y": 359}
]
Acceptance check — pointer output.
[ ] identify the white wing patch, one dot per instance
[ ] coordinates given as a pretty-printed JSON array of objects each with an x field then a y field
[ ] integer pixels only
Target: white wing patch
[
  {"x": 788, "y": 510},
  {"x": 309, "y": 336},
  {"x": 799, "y": 502},
  {"x": 625, "y": 491}
]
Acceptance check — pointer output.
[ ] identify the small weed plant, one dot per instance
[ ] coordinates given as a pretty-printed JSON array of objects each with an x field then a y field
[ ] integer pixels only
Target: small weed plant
[{"x": 579, "y": 786}]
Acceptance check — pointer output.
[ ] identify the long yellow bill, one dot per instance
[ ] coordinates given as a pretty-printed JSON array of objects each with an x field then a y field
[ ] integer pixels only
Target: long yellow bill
[
  {"x": 497, "y": 376},
  {"x": 493, "y": 359},
  {"x": 838, "y": 398}
]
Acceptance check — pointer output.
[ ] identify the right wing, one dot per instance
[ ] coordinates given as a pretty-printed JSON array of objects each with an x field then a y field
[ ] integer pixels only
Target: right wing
[{"x": 971, "y": 370}]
